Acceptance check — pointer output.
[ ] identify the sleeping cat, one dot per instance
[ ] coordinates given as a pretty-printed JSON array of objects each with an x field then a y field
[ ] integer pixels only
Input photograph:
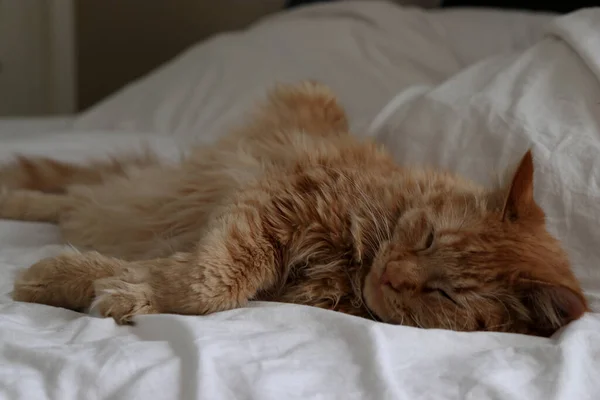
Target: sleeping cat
[{"x": 292, "y": 208}]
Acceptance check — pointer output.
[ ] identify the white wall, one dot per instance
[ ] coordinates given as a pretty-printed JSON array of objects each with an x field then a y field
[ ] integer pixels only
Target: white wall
[{"x": 36, "y": 73}]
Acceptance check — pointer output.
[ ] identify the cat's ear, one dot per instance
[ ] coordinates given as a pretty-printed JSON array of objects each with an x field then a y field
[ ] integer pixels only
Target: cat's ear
[
  {"x": 550, "y": 306},
  {"x": 519, "y": 202}
]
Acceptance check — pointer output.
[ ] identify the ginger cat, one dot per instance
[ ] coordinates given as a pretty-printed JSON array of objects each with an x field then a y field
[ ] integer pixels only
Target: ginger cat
[{"x": 292, "y": 208}]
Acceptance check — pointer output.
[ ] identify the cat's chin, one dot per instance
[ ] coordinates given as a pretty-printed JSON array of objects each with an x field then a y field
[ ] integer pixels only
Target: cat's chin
[{"x": 374, "y": 296}]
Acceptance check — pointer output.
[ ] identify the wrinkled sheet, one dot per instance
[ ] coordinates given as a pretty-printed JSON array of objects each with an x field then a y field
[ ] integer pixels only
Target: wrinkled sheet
[{"x": 542, "y": 96}]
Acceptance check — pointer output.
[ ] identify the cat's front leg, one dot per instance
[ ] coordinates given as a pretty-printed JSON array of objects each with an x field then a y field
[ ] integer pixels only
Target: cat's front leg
[
  {"x": 233, "y": 262},
  {"x": 78, "y": 281},
  {"x": 66, "y": 280}
]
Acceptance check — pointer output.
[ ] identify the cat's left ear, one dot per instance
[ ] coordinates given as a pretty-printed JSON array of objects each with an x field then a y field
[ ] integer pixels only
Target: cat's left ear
[{"x": 519, "y": 202}]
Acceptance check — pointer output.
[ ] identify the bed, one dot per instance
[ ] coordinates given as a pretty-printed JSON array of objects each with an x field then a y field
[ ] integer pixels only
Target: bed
[{"x": 433, "y": 86}]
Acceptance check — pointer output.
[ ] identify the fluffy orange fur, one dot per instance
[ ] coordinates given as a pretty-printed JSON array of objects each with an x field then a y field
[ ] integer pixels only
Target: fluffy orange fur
[{"x": 292, "y": 208}]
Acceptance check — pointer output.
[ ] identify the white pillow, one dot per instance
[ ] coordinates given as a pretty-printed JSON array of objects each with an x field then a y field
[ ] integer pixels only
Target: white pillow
[
  {"x": 485, "y": 118},
  {"x": 366, "y": 51}
]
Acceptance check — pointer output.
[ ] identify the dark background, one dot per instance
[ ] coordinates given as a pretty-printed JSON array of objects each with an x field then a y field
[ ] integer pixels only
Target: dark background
[{"x": 537, "y": 5}]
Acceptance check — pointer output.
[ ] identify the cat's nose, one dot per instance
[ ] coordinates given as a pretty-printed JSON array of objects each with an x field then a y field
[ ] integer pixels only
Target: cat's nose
[
  {"x": 385, "y": 278},
  {"x": 395, "y": 280}
]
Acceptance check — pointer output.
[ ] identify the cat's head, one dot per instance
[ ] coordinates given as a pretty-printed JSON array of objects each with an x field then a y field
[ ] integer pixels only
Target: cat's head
[{"x": 468, "y": 260}]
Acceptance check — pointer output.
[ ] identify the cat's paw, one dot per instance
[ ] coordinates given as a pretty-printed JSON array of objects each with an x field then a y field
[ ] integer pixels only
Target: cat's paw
[
  {"x": 60, "y": 281},
  {"x": 29, "y": 289},
  {"x": 123, "y": 300}
]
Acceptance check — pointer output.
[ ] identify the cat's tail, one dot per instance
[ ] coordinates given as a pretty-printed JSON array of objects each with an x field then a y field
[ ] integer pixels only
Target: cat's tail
[
  {"x": 309, "y": 107},
  {"x": 51, "y": 176},
  {"x": 35, "y": 188},
  {"x": 29, "y": 205}
]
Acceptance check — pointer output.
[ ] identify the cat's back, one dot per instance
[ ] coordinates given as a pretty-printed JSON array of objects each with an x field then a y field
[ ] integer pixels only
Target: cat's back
[{"x": 285, "y": 151}]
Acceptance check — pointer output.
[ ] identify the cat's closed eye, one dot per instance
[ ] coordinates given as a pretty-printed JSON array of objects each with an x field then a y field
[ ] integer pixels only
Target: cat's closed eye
[
  {"x": 428, "y": 241},
  {"x": 440, "y": 292}
]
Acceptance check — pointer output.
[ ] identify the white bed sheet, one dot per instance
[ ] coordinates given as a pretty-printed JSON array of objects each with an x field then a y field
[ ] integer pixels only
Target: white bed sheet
[
  {"x": 15, "y": 127},
  {"x": 271, "y": 351}
]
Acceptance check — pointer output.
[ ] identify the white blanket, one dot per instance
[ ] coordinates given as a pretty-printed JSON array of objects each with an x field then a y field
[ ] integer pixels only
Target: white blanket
[{"x": 547, "y": 95}]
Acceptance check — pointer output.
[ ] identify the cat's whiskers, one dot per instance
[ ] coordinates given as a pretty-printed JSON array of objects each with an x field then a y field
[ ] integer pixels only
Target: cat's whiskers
[
  {"x": 369, "y": 312},
  {"x": 495, "y": 327},
  {"x": 376, "y": 213},
  {"x": 455, "y": 318},
  {"x": 508, "y": 314},
  {"x": 394, "y": 307},
  {"x": 502, "y": 303},
  {"x": 449, "y": 324},
  {"x": 467, "y": 319},
  {"x": 416, "y": 320},
  {"x": 465, "y": 214},
  {"x": 357, "y": 290}
]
